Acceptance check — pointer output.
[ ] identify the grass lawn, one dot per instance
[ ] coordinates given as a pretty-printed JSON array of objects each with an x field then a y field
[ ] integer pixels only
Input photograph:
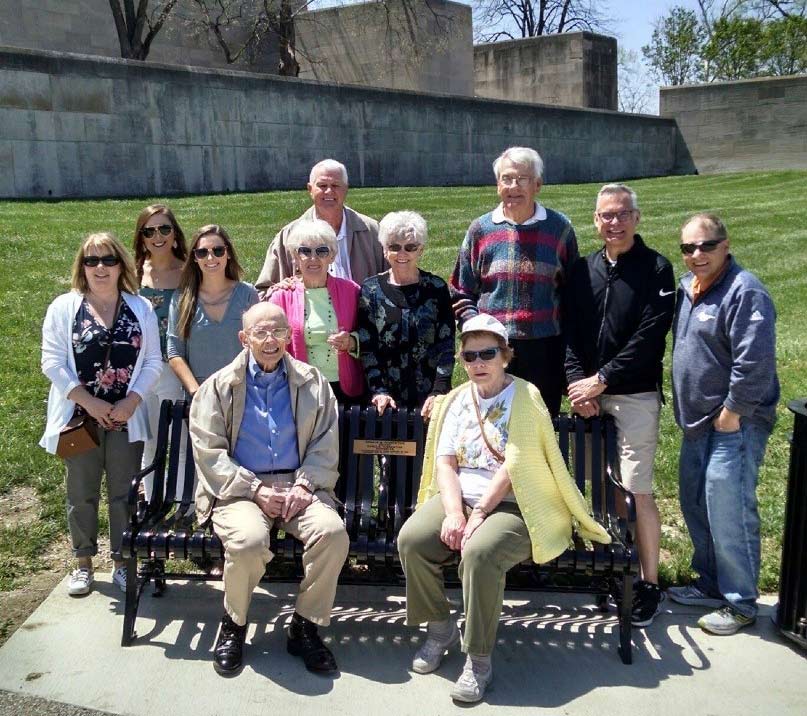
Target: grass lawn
[{"x": 765, "y": 214}]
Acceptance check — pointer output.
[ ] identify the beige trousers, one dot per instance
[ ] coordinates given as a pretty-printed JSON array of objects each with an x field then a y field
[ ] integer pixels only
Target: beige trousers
[{"x": 244, "y": 531}]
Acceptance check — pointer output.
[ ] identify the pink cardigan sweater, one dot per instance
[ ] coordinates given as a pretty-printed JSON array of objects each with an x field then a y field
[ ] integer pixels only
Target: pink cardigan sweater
[{"x": 344, "y": 297}]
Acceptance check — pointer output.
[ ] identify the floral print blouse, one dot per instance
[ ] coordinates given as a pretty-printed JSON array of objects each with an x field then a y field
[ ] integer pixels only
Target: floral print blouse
[
  {"x": 90, "y": 341},
  {"x": 461, "y": 437},
  {"x": 406, "y": 338}
]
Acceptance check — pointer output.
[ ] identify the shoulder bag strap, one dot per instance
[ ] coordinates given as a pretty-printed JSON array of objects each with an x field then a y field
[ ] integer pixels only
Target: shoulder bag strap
[{"x": 493, "y": 451}]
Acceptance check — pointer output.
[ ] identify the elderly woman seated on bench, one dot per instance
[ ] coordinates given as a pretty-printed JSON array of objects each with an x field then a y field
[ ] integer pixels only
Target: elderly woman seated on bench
[{"x": 495, "y": 489}]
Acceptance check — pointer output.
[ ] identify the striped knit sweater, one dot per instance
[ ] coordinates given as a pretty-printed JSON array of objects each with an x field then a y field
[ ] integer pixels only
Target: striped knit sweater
[
  {"x": 546, "y": 494},
  {"x": 515, "y": 273}
]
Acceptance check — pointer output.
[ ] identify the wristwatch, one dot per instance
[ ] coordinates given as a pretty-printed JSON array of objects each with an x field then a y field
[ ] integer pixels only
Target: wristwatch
[{"x": 601, "y": 378}]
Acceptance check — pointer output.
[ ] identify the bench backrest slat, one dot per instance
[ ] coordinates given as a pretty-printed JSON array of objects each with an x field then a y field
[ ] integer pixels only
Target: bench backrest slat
[{"x": 375, "y": 509}]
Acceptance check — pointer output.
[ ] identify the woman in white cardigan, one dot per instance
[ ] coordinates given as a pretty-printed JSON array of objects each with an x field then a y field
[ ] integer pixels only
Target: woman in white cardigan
[{"x": 101, "y": 353}]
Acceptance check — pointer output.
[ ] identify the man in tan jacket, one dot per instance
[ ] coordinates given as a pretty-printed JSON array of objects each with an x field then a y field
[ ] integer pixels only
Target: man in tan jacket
[
  {"x": 358, "y": 256},
  {"x": 265, "y": 440}
]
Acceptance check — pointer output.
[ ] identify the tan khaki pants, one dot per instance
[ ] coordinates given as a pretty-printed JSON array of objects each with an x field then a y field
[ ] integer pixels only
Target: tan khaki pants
[{"x": 244, "y": 531}]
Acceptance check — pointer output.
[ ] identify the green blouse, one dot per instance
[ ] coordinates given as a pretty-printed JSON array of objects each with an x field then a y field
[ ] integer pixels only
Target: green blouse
[{"x": 320, "y": 322}]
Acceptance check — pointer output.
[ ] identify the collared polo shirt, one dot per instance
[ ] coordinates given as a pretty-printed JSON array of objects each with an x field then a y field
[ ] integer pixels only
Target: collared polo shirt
[
  {"x": 341, "y": 265},
  {"x": 267, "y": 440},
  {"x": 539, "y": 214}
]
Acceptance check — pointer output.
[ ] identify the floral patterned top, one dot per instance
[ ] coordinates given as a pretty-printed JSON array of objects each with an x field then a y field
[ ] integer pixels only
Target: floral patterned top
[
  {"x": 160, "y": 300},
  {"x": 406, "y": 338},
  {"x": 90, "y": 341},
  {"x": 461, "y": 437}
]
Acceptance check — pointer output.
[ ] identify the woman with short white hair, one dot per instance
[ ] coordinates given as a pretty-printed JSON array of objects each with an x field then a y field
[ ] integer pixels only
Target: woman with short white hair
[
  {"x": 322, "y": 311},
  {"x": 406, "y": 322}
]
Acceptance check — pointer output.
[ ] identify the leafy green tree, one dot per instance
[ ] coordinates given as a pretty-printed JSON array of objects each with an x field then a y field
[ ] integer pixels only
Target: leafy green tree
[
  {"x": 735, "y": 49},
  {"x": 674, "y": 50},
  {"x": 784, "y": 46}
]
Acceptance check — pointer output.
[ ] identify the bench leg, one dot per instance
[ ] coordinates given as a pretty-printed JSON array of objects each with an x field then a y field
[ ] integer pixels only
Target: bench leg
[
  {"x": 158, "y": 572},
  {"x": 625, "y": 626},
  {"x": 132, "y": 599}
]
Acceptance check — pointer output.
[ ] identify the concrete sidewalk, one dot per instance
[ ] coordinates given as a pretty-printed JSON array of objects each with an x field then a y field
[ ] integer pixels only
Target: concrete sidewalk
[{"x": 553, "y": 653}]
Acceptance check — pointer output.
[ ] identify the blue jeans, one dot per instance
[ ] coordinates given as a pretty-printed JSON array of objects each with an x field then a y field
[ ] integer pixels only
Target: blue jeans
[{"x": 717, "y": 476}]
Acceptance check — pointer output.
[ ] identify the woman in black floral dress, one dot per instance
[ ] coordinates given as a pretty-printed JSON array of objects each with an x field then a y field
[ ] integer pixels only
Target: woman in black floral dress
[
  {"x": 406, "y": 323},
  {"x": 101, "y": 353}
]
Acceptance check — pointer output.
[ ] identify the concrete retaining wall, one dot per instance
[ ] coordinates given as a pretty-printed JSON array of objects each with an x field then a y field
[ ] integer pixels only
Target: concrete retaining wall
[
  {"x": 576, "y": 69},
  {"x": 74, "y": 125},
  {"x": 386, "y": 45},
  {"x": 745, "y": 125},
  {"x": 87, "y": 26}
]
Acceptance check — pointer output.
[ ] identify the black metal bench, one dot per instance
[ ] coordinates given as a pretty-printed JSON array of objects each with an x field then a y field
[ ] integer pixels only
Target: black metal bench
[{"x": 378, "y": 495}]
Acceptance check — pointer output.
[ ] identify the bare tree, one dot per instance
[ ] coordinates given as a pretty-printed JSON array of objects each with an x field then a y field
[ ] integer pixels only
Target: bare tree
[
  {"x": 634, "y": 85},
  {"x": 511, "y": 19},
  {"x": 137, "y": 27}
]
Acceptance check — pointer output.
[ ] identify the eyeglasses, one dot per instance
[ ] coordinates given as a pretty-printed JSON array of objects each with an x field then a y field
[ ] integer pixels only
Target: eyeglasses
[
  {"x": 164, "y": 229},
  {"x": 510, "y": 180},
  {"x": 485, "y": 354},
  {"x": 261, "y": 334},
  {"x": 217, "y": 251},
  {"x": 620, "y": 216},
  {"x": 93, "y": 261},
  {"x": 704, "y": 246},
  {"x": 320, "y": 251},
  {"x": 409, "y": 248}
]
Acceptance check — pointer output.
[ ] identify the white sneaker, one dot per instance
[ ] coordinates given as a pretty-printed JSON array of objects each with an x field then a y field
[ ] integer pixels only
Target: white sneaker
[
  {"x": 80, "y": 581},
  {"x": 431, "y": 654},
  {"x": 473, "y": 681},
  {"x": 119, "y": 578}
]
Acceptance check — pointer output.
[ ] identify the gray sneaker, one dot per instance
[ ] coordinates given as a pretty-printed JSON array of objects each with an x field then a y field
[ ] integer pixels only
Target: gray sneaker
[
  {"x": 693, "y": 597},
  {"x": 724, "y": 621},
  {"x": 431, "y": 654},
  {"x": 473, "y": 681}
]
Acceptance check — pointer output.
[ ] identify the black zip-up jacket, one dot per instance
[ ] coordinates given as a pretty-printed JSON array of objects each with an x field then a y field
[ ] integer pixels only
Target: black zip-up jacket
[{"x": 617, "y": 319}]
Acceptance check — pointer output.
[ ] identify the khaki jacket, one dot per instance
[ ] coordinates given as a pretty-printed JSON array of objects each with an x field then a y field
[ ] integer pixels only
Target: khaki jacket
[
  {"x": 215, "y": 419},
  {"x": 366, "y": 255}
]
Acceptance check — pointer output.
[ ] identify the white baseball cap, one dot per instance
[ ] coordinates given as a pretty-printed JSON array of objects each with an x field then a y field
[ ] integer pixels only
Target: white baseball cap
[{"x": 484, "y": 322}]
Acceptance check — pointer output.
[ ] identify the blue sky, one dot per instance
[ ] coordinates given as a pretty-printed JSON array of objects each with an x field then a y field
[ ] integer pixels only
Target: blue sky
[{"x": 633, "y": 25}]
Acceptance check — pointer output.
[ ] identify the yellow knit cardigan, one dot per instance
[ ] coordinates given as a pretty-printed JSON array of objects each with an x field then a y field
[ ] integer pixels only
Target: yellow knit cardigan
[{"x": 546, "y": 494}]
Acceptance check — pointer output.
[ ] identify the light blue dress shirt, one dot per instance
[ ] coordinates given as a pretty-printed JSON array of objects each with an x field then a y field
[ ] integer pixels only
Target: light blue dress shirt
[{"x": 267, "y": 440}]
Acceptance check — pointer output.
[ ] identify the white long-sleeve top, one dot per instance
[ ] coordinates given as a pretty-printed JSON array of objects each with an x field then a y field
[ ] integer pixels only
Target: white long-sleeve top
[{"x": 59, "y": 364}]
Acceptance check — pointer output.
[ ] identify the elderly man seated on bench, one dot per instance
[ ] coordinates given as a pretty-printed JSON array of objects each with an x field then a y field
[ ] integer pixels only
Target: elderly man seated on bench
[{"x": 265, "y": 441}]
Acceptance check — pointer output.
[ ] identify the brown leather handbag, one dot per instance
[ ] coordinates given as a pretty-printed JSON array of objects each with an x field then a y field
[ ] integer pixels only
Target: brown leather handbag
[{"x": 78, "y": 436}]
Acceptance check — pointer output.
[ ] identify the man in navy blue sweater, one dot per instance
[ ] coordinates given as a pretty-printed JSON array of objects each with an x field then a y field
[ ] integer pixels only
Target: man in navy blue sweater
[{"x": 725, "y": 392}]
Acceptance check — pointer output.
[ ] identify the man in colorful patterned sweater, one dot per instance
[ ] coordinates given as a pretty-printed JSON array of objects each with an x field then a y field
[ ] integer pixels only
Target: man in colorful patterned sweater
[{"x": 513, "y": 264}]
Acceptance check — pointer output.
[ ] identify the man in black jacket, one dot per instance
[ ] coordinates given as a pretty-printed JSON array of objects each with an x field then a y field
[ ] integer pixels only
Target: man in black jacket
[{"x": 619, "y": 309}]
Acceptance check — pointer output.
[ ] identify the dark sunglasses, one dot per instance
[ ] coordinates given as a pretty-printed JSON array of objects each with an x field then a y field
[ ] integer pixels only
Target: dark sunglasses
[
  {"x": 485, "y": 354},
  {"x": 164, "y": 229},
  {"x": 93, "y": 261},
  {"x": 217, "y": 251},
  {"x": 409, "y": 248},
  {"x": 704, "y": 246},
  {"x": 307, "y": 251}
]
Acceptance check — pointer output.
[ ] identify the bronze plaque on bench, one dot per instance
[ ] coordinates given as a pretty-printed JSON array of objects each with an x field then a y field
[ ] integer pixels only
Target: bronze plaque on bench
[{"x": 385, "y": 447}]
